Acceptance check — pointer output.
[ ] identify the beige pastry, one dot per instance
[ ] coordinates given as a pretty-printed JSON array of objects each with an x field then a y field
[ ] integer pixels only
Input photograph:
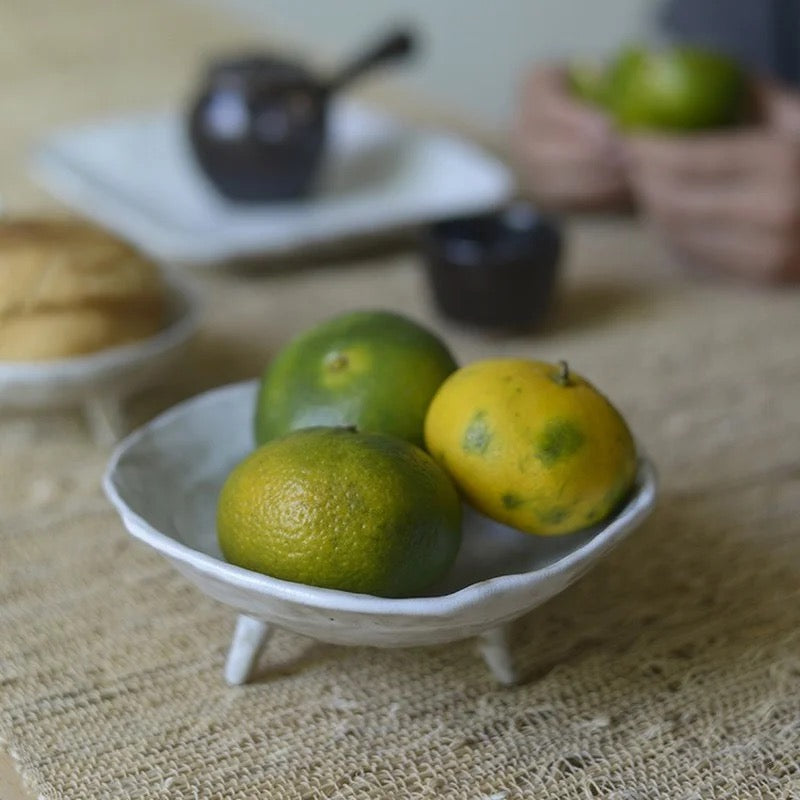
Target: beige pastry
[{"x": 68, "y": 288}]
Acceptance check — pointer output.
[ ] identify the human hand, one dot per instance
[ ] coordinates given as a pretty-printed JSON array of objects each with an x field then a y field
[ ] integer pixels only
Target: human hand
[
  {"x": 567, "y": 151},
  {"x": 728, "y": 201}
]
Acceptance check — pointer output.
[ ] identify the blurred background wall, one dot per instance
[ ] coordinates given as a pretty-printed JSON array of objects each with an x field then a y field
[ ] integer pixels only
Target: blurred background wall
[{"x": 475, "y": 50}]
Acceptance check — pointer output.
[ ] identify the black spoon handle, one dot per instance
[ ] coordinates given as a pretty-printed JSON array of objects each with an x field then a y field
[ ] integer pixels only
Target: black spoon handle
[{"x": 396, "y": 45}]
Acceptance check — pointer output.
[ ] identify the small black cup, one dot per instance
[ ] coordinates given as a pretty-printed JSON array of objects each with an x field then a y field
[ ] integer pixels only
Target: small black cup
[
  {"x": 496, "y": 270},
  {"x": 258, "y": 128}
]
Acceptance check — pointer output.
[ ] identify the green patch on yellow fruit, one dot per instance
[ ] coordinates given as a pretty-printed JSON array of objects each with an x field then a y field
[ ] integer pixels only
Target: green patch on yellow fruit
[
  {"x": 477, "y": 436},
  {"x": 511, "y": 501},
  {"x": 559, "y": 439},
  {"x": 617, "y": 495},
  {"x": 553, "y": 516}
]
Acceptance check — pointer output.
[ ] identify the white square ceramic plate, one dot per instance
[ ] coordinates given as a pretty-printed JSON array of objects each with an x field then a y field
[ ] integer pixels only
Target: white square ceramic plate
[
  {"x": 137, "y": 176},
  {"x": 164, "y": 481}
]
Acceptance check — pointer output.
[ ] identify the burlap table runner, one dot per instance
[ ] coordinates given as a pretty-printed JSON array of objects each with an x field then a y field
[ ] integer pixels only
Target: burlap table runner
[{"x": 670, "y": 671}]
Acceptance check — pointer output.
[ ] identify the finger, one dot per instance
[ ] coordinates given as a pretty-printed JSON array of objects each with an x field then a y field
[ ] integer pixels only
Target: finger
[
  {"x": 574, "y": 188},
  {"x": 559, "y": 163},
  {"x": 706, "y": 156},
  {"x": 746, "y": 204},
  {"x": 571, "y": 198},
  {"x": 779, "y": 106},
  {"x": 548, "y": 103},
  {"x": 562, "y": 112},
  {"x": 759, "y": 256},
  {"x": 569, "y": 154}
]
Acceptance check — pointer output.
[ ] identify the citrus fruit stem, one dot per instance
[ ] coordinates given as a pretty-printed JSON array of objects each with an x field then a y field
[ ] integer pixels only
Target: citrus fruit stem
[
  {"x": 337, "y": 362},
  {"x": 563, "y": 375}
]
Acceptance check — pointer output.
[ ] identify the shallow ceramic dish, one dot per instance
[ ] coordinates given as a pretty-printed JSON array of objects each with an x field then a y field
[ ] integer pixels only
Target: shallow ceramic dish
[
  {"x": 100, "y": 382},
  {"x": 164, "y": 480}
]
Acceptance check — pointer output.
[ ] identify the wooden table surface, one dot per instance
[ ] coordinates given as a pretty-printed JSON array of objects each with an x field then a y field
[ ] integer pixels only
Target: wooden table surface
[{"x": 683, "y": 344}]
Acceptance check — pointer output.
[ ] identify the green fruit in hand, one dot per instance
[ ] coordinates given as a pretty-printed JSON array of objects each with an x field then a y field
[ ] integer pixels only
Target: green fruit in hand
[
  {"x": 373, "y": 370},
  {"x": 680, "y": 89},
  {"x": 330, "y": 507},
  {"x": 627, "y": 59}
]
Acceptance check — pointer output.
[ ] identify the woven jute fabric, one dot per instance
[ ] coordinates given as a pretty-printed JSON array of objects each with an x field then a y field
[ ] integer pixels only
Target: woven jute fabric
[{"x": 672, "y": 670}]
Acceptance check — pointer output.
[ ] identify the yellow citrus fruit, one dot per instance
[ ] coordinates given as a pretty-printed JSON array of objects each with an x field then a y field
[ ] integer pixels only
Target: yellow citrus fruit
[
  {"x": 372, "y": 369},
  {"x": 531, "y": 444},
  {"x": 330, "y": 507}
]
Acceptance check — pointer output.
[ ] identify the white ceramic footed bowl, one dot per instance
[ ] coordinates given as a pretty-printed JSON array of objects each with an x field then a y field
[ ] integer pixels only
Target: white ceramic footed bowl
[{"x": 164, "y": 480}]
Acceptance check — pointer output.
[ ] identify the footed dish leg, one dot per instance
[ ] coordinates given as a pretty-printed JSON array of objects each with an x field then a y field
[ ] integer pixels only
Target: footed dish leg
[
  {"x": 105, "y": 419},
  {"x": 493, "y": 646},
  {"x": 249, "y": 639}
]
